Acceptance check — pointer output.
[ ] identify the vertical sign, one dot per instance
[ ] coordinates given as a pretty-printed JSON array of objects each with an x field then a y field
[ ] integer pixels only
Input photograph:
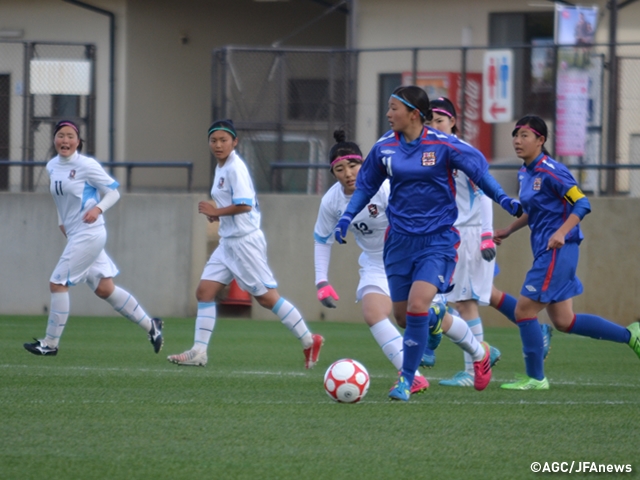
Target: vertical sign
[{"x": 497, "y": 86}]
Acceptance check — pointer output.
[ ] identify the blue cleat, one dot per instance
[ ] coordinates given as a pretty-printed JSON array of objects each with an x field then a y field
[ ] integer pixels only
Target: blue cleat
[
  {"x": 435, "y": 330},
  {"x": 546, "y": 339},
  {"x": 460, "y": 379},
  {"x": 428, "y": 360},
  {"x": 401, "y": 390},
  {"x": 494, "y": 355}
]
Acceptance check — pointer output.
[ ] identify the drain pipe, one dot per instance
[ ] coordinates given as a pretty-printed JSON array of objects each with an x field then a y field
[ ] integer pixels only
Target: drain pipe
[{"x": 112, "y": 48}]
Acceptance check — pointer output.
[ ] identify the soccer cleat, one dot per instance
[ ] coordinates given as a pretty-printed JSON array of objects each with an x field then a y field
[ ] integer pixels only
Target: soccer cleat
[
  {"x": 428, "y": 360},
  {"x": 435, "y": 331},
  {"x": 155, "y": 334},
  {"x": 39, "y": 348},
  {"x": 494, "y": 356},
  {"x": 312, "y": 353},
  {"x": 482, "y": 369},
  {"x": 419, "y": 385},
  {"x": 546, "y": 339},
  {"x": 634, "y": 341},
  {"x": 460, "y": 379},
  {"x": 401, "y": 390},
  {"x": 193, "y": 357},
  {"x": 526, "y": 383}
]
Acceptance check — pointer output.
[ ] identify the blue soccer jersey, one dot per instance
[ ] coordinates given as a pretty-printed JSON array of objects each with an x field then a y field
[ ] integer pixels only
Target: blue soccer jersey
[
  {"x": 421, "y": 174},
  {"x": 547, "y": 193}
]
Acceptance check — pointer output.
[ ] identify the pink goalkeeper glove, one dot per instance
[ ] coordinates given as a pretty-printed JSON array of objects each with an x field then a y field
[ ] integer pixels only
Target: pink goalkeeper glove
[
  {"x": 487, "y": 247},
  {"x": 326, "y": 294}
]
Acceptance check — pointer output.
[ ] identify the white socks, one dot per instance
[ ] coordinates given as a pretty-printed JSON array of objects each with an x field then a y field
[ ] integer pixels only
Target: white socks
[
  {"x": 475, "y": 326},
  {"x": 291, "y": 318},
  {"x": 126, "y": 305},
  {"x": 390, "y": 340},
  {"x": 58, "y": 314},
  {"x": 461, "y": 335},
  {"x": 205, "y": 322}
]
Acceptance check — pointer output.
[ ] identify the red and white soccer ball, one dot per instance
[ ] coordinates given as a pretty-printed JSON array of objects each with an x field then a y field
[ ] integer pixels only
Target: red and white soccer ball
[{"x": 346, "y": 381}]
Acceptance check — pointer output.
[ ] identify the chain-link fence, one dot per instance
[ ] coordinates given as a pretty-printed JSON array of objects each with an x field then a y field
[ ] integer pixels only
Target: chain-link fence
[
  {"x": 285, "y": 105},
  {"x": 287, "y": 102},
  {"x": 40, "y": 84}
]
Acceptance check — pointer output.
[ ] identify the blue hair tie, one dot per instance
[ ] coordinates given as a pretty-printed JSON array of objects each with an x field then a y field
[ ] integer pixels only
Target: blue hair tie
[
  {"x": 411, "y": 106},
  {"x": 211, "y": 130}
]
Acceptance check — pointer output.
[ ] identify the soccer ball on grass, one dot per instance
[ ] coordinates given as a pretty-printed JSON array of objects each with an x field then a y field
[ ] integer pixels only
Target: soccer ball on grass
[{"x": 346, "y": 381}]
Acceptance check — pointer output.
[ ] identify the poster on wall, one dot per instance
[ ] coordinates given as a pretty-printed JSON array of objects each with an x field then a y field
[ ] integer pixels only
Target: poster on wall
[
  {"x": 448, "y": 84},
  {"x": 574, "y": 31}
]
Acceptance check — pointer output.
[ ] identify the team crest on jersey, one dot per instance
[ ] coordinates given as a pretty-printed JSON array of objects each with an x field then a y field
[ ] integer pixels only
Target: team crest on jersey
[
  {"x": 72, "y": 174},
  {"x": 537, "y": 183},
  {"x": 454, "y": 172},
  {"x": 221, "y": 182},
  {"x": 373, "y": 210},
  {"x": 428, "y": 159}
]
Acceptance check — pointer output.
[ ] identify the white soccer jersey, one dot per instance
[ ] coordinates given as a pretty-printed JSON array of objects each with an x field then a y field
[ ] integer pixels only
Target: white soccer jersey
[
  {"x": 75, "y": 186},
  {"x": 368, "y": 226},
  {"x": 232, "y": 185},
  {"x": 468, "y": 201}
]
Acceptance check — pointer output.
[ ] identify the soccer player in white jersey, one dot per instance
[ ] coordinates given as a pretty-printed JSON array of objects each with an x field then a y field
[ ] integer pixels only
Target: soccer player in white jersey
[
  {"x": 368, "y": 227},
  {"x": 241, "y": 255},
  {"x": 82, "y": 192}
]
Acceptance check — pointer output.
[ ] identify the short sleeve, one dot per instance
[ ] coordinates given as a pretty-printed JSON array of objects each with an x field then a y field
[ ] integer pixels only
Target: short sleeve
[
  {"x": 242, "y": 192},
  {"x": 325, "y": 223},
  {"x": 98, "y": 178}
]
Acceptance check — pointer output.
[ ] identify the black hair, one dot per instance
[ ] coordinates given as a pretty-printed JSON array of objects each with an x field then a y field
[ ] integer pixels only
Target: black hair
[
  {"x": 445, "y": 106},
  {"x": 225, "y": 125},
  {"x": 69, "y": 123},
  {"x": 416, "y": 97},
  {"x": 537, "y": 126},
  {"x": 342, "y": 148}
]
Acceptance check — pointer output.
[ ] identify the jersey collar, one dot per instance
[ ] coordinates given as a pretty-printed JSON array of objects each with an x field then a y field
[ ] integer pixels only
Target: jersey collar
[{"x": 536, "y": 162}]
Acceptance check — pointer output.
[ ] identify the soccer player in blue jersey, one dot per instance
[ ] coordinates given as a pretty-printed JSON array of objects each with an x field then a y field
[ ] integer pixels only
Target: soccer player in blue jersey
[
  {"x": 553, "y": 206},
  {"x": 83, "y": 192},
  {"x": 420, "y": 248},
  {"x": 369, "y": 228}
]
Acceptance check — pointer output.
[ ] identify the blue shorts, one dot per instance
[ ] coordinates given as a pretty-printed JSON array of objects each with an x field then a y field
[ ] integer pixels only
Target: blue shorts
[
  {"x": 430, "y": 258},
  {"x": 552, "y": 277}
]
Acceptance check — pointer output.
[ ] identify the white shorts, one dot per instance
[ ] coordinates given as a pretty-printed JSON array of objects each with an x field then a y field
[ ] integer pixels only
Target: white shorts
[
  {"x": 84, "y": 260},
  {"x": 243, "y": 258},
  {"x": 473, "y": 276},
  {"x": 373, "y": 278}
]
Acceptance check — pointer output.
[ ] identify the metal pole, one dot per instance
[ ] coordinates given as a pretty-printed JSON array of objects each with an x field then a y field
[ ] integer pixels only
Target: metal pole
[
  {"x": 612, "y": 110},
  {"x": 112, "y": 56},
  {"x": 463, "y": 92}
]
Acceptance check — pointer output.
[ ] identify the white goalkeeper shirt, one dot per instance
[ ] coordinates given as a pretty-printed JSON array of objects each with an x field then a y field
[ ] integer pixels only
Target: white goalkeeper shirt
[
  {"x": 76, "y": 185},
  {"x": 368, "y": 226},
  {"x": 232, "y": 185}
]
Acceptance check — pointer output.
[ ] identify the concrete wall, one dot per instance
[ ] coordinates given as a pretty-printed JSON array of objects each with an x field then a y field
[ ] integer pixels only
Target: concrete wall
[{"x": 159, "y": 242}]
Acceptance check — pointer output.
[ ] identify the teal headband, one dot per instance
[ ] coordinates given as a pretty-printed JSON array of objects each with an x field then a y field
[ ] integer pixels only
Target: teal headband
[
  {"x": 411, "y": 106},
  {"x": 213, "y": 129}
]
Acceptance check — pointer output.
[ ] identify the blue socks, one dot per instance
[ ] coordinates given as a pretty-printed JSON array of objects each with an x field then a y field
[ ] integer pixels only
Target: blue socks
[
  {"x": 507, "y": 306},
  {"x": 532, "y": 347},
  {"x": 415, "y": 342},
  {"x": 598, "y": 328}
]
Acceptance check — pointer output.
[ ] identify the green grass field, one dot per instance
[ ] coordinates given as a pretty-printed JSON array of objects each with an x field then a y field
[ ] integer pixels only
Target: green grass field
[{"x": 107, "y": 407}]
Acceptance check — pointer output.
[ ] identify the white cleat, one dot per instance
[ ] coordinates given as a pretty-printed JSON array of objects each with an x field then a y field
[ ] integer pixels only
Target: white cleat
[{"x": 195, "y": 358}]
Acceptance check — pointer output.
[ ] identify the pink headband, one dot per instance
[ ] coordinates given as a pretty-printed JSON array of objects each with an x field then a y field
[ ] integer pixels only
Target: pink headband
[
  {"x": 440, "y": 110},
  {"x": 346, "y": 157},
  {"x": 529, "y": 128},
  {"x": 67, "y": 124}
]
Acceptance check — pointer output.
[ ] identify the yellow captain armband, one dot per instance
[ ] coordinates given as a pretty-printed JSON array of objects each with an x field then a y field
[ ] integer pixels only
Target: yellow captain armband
[{"x": 574, "y": 194}]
